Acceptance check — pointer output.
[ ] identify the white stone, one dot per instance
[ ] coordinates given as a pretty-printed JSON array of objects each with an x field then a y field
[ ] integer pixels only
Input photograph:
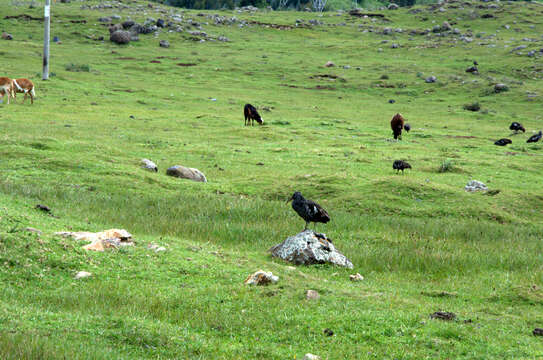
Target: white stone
[
  {"x": 261, "y": 277},
  {"x": 309, "y": 356},
  {"x": 82, "y": 274},
  {"x": 149, "y": 165},
  {"x": 356, "y": 277}
]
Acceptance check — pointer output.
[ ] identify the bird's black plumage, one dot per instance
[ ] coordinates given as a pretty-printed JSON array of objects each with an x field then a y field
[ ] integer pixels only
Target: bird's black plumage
[
  {"x": 400, "y": 165},
  {"x": 503, "y": 142},
  {"x": 472, "y": 69},
  {"x": 515, "y": 126},
  {"x": 535, "y": 138},
  {"x": 308, "y": 210},
  {"x": 407, "y": 127}
]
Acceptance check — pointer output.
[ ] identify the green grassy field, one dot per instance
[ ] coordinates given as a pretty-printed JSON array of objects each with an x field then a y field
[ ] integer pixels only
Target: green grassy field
[{"x": 421, "y": 242}]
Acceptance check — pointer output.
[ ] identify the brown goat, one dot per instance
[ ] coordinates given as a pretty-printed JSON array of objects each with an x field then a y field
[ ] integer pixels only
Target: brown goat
[
  {"x": 23, "y": 86},
  {"x": 396, "y": 124}
]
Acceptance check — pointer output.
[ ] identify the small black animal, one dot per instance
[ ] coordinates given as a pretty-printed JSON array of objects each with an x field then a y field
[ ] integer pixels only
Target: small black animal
[
  {"x": 43, "y": 208},
  {"x": 535, "y": 138},
  {"x": 472, "y": 69},
  {"x": 516, "y": 127},
  {"x": 400, "y": 165},
  {"x": 250, "y": 113},
  {"x": 407, "y": 127},
  {"x": 308, "y": 210},
  {"x": 503, "y": 142}
]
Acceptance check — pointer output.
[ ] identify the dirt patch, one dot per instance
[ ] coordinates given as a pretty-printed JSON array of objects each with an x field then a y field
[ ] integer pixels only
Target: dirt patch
[
  {"x": 126, "y": 58},
  {"x": 124, "y": 90},
  {"x": 461, "y": 136},
  {"x": 328, "y": 77},
  {"x": 443, "y": 315},
  {"x": 155, "y": 62},
  {"x": 319, "y": 87},
  {"x": 23, "y": 17},
  {"x": 186, "y": 64},
  {"x": 290, "y": 86},
  {"x": 78, "y": 21}
]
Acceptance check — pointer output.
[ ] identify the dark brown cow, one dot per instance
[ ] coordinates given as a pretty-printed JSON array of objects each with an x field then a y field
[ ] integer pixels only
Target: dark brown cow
[{"x": 250, "y": 113}]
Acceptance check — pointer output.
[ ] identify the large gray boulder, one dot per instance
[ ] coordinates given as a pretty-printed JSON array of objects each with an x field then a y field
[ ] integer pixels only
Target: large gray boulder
[
  {"x": 186, "y": 173},
  {"x": 120, "y": 37},
  {"x": 309, "y": 247}
]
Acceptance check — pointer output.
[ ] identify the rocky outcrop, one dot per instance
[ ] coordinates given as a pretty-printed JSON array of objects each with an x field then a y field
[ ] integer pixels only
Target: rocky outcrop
[
  {"x": 120, "y": 37},
  {"x": 309, "y": 247},
  {"x": 261, "y": 277}
]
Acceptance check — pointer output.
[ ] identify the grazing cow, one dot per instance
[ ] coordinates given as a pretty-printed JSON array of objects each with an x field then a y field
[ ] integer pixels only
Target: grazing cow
[
  {"x": 250, "y": 113},
  {"x": 23, "y": 86},
  {"x": 5, "y": 87},
  {"x": 397, "y": 124},
  {"x": 400, "y": 165}
]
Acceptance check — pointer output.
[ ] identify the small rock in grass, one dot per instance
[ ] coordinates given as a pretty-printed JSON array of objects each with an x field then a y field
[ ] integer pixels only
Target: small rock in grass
[
  {"x": 431, "y": 79},
  {"x": 329, "y": 64},
  {"x": 309, "y": 356},
  {"x": 443, "y": 315},
  {"x": 356, "y": 277},
  {"x": 186, "y": 173},
  {"x": 312, "y": 295},
  {"x": 82, "y": 274},
  {"x": 500, "y": 88},
  {"x": 164, "y": 44},
  {"x": 149, "y": 165},
  {"x": 474, "y": 185},
  {"x": 261, "y": 277},
  {"x": 156, "y": 248}
]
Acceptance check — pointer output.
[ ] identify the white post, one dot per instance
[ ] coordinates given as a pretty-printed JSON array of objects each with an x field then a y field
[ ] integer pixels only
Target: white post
[{"x": 47, "y": 23}]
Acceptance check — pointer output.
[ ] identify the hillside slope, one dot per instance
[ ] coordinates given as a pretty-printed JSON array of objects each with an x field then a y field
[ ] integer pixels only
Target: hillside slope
[{"x": 422, "y": 243}]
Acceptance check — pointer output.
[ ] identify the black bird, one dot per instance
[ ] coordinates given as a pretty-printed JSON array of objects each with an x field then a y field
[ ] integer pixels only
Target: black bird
[
  {"x": 407, "y": 127},
  {"x": 503, "y": 142},
  {"x": 43, "y": 208},
  {"x": 475, "y": 62},
  {"x": 400, "y": 165},
  {"x": 535, "y": 138},
  {"x": 472, "y": 69},
  {"x": 308, "y": 210},
  {"x": 516, "y": 127}
]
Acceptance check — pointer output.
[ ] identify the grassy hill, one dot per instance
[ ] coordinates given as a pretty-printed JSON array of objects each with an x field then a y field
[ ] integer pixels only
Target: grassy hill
[{"x": 422, "y": 243}]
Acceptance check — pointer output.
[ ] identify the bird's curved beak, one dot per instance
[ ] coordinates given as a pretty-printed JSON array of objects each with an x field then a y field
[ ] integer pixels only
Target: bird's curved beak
[{"x": 288, "y": 200}]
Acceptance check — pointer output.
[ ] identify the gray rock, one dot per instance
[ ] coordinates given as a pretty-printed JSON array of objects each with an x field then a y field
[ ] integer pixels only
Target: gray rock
[
  {"x": 149, "y": 165},
  {"x": 500, "y": 88},
  {"x": 105, "y": 19},
  {"x": 164, "y": 44},
  {"x": 395, "y": 46},
  {"x": 223, "y": 38},
  {"x": 446, "y": 26},
  {"x": 128, "y": 24},
  {"x": 116, "y": 17},
  {"x": 186, "y": 173},
  {"x": 120, "y": 37},
  {"x": 474, "y": 185},
  {"x": 431, "y": 79},
  {"x": 114, "y": 28},
  {"x": 309, "y": 247}
]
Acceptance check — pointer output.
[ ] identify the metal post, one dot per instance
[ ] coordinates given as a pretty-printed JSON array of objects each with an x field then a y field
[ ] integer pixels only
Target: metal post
[{"x": 47, "y": 22}]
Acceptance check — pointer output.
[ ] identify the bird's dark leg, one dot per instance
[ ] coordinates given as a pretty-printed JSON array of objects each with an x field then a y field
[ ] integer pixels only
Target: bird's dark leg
[{"x": 305, "y": 228}]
